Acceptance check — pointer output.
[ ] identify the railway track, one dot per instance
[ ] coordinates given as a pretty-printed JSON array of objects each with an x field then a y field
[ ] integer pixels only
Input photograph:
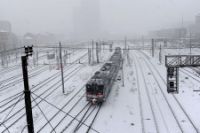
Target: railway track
[
  {"x": 149, "y": 98},
  {"x": 140, "y": 100},
  {"x": 42, "y": 83},
  {"x": 46, "y": 93},
  {"x": 50, "y": 90},
  {"x": 52, "y": 77},
  {"x": 85, "y": 114},
  {"x": 17, "y": 79},
  {"x": 152, "y": 68},
  {"x": 191, "y": 75},
  {"x": 6, "y": 70},
  {"x": 62, "y": 108},
  {"x": 144, "y": 91}
]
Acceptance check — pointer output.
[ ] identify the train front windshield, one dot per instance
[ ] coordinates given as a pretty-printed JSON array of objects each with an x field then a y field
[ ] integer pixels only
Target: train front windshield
[{"x": 95, "y": 87}]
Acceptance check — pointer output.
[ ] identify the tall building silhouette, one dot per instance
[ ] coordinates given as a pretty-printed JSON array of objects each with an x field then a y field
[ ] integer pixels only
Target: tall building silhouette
[
  {"x": 197, "y": 19},
  {"x": 87, "y": 20}
]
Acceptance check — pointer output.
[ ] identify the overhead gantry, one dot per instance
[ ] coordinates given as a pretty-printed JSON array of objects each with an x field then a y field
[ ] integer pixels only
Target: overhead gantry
[{"x": 173, "y": 63}]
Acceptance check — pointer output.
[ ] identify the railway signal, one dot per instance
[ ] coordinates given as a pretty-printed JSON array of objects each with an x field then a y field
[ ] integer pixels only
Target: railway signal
[
  {"x": 173, "y": 63},
  {"x": 29, "y": 116}
]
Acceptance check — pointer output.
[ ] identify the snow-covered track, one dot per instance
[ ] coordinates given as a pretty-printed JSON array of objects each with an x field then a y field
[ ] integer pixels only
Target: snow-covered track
[
  {"x": 154, "y": 70},
  {"x": 60, "y": 110},
  {"x": 148, "y": 96},
  {"x": 17, "y": 79},
  {"x": 47, "y": 80},
  {"x": 92, "y": 122},
  {"x": 139, "y": 99},
  {"x": 9, "y": 69},
  {"x": 191, "y": 75},
  {"x": 49, "y": 91},
  {"x": 87, "y": 112}
]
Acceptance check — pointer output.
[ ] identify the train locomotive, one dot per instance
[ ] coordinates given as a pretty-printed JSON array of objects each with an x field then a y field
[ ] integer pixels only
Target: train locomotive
[{"x": 99, "y": 86}]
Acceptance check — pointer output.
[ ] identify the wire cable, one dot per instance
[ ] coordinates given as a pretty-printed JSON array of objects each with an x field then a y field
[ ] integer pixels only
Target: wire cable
[
  {"x": 11, "y": 110},
  {"x": 64, "y": 112},
  {"x": 23, "y": 128},
  {"x": 5, "y": 127},
  {"x": 43, "y": 113}
]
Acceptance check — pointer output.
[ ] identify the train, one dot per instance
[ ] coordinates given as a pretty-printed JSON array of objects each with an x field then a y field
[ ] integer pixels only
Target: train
[{"x": 100, "y": 84}]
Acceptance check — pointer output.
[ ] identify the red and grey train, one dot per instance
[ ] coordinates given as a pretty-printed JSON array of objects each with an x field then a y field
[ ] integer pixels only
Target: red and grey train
[{"x": 99, "y": 86}]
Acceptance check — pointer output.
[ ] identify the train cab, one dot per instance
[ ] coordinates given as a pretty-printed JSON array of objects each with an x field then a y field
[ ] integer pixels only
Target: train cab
[{"x": 95, "y": 90}]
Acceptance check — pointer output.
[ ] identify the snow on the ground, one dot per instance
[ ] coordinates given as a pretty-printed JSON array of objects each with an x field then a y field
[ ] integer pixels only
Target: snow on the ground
[{"x": 142, "y": 104}]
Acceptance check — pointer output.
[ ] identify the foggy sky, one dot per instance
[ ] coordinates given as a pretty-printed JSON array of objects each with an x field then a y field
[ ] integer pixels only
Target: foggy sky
[{"x": 117, "y": 16}]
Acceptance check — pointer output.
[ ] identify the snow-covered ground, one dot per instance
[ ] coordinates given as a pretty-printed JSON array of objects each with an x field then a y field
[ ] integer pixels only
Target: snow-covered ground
[{"x": 141, "y": 105}]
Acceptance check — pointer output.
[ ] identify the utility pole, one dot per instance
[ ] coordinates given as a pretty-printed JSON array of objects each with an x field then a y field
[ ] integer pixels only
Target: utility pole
[
  {"x": 160, "y": 54},
  {"x": 152, "y": 42},
  {"x": 143, "y": 42},
  {"x": 125, "y": 43},
  {"x": 111, "y": 47},
  {"x": 190, "y": 45},
  {"x": 89, "y": 55},
  {"x": 37, "y": 56},
  {"x": 27, "y": 93},
  {"x": 92, "y": 52},
  {"x": 122, "y": 71},
  {"x": 61, "y": 69},
  {"x": 97, "y": 52}
]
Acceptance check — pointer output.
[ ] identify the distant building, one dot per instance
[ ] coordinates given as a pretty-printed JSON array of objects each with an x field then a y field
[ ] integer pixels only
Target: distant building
[
  {"x": 174, "y": 33},
  {"x": 29, "y": 39},
  {"x": 7, "y": 39},
  {"x": 194, "y": 29},
  {"x": 183, "y": 35},
  {"x": 39, "y": 39},
  {"x": 45, "y": 38},
  {"x": 197, "y": 19},
  {"x": 5, "y": 26}
]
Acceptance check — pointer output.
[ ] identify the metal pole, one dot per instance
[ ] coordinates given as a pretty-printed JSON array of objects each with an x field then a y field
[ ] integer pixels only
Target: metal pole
[
  {"x": 29, "y": 116},
  {"x": 160, "y": 54},
  {"x": 97, "y": 52},
  {"x": 190, "y": 45},
  {"x": 143, "y": 42},
  {"x": 61, "y": 68},
  {"x": 92, "y": 51},
  {"x": 152, "y": 41},
  {"x": 125, "y": 42},
  {"x": 89, "y": 55},
  {"x": 122, "y": 72}
]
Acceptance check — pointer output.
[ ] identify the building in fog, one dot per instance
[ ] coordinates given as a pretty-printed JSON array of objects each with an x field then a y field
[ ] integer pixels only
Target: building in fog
[
  {"x": 87, "y": 20},
  {"x": 185, "y": 35},
  {"x": 197, "y": 19},
  {"x": 5, "y": 26},
  {"x": 39, "y": 39},
  {"x": 173, "y": 33},
  {"x": 8, "y": 40},
  {"x": 194, "y": 29},
  {"x": 29, "y": 39}
]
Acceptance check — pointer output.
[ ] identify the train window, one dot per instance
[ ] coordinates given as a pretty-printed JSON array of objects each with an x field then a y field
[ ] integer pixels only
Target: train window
[
  {"x": 99, "y": 81},
  {"x": 171, "y": 84},
  {"x": 103, "y": 69},
  {"x": 88, "y": 86}
]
